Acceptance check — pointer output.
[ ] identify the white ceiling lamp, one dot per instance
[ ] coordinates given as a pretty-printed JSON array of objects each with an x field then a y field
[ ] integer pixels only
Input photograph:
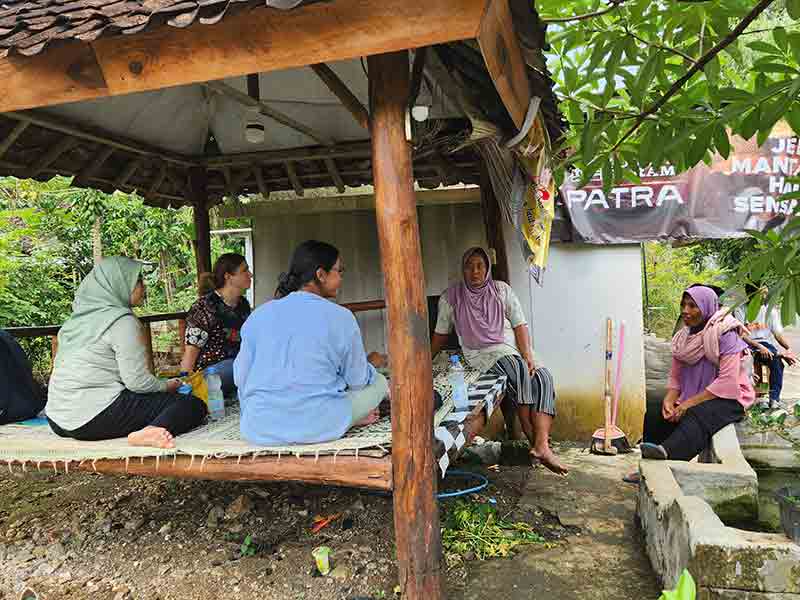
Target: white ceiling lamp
[
  {"x": 420, "y": 112},
  {"x": 254, "y": 130}
]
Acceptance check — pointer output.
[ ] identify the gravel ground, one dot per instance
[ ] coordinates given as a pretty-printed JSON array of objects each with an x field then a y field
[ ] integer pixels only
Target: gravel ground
[{"x": 83, "y": 535}]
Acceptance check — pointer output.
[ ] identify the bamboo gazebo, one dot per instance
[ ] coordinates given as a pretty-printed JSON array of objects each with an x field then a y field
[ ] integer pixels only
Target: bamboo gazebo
[{"x": 117, "y": 93}]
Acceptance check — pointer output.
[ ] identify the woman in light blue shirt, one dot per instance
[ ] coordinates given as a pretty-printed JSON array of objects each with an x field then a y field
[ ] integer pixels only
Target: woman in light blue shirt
[{"x": 302, "y": 372}]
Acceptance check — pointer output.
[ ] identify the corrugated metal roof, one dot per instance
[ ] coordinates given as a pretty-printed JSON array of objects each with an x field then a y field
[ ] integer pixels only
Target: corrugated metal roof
[{"x": 28, "y": 26}]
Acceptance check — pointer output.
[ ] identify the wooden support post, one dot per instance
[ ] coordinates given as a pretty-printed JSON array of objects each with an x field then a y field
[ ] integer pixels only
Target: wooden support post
[
  {"x": 198, "y": 197},
  {"x": 493, "y": 222},
  {"x": 416, "y": 516}
]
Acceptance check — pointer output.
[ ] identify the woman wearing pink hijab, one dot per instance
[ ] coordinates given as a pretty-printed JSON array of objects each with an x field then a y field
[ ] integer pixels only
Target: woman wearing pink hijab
[
  {"x": 708, "y": 386},
  {"x": 494, "y": 337}
]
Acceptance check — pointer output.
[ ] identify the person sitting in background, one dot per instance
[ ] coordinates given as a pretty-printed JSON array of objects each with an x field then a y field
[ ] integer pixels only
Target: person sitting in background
[
  {"x": 493, "y": 334},
  {"x": 708, "y": 386},
  {"x": 766, "y": 332},
  {"x": 215, "y": 320},
  {"x": 302, "y": 372},
  {"x": 100, "y": 387}
]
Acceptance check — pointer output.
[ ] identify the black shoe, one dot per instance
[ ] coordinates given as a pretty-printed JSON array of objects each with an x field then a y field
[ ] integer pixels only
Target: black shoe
[{"x": 653, "y": 451}]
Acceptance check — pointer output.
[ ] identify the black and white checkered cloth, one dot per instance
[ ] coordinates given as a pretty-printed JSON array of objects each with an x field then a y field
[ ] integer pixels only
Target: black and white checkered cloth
[{"x": 485, "y": 392}]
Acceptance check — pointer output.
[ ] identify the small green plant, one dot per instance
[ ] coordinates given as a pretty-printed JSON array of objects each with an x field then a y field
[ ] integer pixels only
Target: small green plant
[
  {"x": 685, "y": 590},
  {"x": 475, "y": 529},
  {"x": 764, "y": 420},
  {"x": 248, "y": 548}
]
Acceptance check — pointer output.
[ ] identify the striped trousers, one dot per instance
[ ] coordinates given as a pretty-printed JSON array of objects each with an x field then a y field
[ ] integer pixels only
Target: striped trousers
[{"x": 537, "y": 390}]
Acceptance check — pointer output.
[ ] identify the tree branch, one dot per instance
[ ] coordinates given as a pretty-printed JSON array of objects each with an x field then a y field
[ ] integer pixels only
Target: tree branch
[
  {"x": 614, "y": 4},
  {"x": 697, "y": 66},
  {"x": 671, "y": 49}
]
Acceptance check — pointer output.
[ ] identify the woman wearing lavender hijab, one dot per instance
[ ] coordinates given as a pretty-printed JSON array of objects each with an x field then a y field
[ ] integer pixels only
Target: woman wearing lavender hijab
[
  {"x": 494, "y": 337},
  {"x": 709, "y": 386}
]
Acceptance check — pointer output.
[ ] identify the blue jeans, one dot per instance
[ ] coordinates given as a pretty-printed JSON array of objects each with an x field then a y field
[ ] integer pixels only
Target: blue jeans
[{"x": 775, "y": 371}]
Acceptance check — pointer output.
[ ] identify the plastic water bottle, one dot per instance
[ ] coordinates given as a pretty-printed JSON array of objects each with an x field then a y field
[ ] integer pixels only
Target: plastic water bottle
[
  {"x": 458, "y": 383},
  {"x": 216, "y": 401}
]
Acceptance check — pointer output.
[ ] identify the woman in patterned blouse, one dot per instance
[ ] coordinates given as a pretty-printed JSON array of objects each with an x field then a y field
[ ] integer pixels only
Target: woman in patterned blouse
[{"x": 215, "y": 320}]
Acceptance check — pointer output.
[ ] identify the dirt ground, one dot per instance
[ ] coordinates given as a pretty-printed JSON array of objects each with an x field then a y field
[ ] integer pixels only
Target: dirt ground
[{"x": 89, "y": 536}]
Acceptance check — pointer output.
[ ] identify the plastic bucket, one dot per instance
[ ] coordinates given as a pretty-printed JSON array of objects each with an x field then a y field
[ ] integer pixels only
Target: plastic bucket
[{"x": 789, "y": 502}]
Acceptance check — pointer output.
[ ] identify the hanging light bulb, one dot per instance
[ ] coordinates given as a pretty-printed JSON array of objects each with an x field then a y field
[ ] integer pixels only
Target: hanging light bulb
[{"x": 254, "y": 130}]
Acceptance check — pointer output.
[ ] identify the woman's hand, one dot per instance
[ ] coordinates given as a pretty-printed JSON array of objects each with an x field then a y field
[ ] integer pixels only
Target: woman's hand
[
  {"x": 530, "y": 362},
  {"x": 378, "y": 360},
  {"x": 668, "y": 407},
  {"x": 765, "y": 353},
  {"x": 173, "y": 385},
  {"x": 679, "y": 411}
]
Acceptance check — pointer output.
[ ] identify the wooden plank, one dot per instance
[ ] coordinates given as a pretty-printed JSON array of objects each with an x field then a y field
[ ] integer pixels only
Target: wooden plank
[
  {"x": 12, "y": 137},
  {"x": 269, "y": 112},
  {"x": 250, "y": 41},
  {"x": 503, "y": 56},
  {"x": 343, "y": 93},
  {"x": 416, "y": 515},
  {"x": 333, "y": 171},
  {"x": 294, "y": 179},
  {"x": 348, "y": 471}
]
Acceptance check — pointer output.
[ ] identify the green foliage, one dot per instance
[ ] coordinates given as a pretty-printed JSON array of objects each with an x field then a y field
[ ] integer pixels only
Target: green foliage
[
  {"x": 669, "y": 272},
  {"x": 46, "y": 249},
  {"x": 248, "y": 547},
  {"x": 475, "y": 529},
  {"x": 644, "y": 83},
  {"x": 686, "y": 589},
  {"x": 765, "y": 420}
]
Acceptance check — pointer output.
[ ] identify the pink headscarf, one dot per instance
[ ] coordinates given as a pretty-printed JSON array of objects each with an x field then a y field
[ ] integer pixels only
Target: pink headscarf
[
  {"x": 690, "y": 348},
  {"x": 479, "y": 310}
]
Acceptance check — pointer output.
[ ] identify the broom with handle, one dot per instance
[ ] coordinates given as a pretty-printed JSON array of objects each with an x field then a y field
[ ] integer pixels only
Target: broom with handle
[{"x": 607, "y": 447}]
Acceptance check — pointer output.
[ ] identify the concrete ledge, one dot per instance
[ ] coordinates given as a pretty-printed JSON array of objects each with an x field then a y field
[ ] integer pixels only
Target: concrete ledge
[{"x": 679, "y": 506}]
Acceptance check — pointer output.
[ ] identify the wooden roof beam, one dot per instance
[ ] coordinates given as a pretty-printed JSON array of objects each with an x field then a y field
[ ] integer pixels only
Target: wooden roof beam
[
  {"x": 346, "y": 150},
  {"x": 268, "y": 111},
  {"x": 64, "y": 144},
  {"x": 93, "y": 166},
  {"x": 504, "y": 61},
  {"x": 333, "y": 171},
  {"x": 127, "y": 173},
  {"x": 343, "y": 93},
  {"x": 157, "y": 182},
  {"x": 249, "y": 41},
  {"x": 12, "y": 137},
  {"x": 294, "y": 179},
  {"x": 62, "y": 125},
  {"x": 262, "y": 187}
]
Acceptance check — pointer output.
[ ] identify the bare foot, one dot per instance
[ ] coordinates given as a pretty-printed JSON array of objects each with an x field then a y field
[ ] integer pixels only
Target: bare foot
[
  {"x": 373, "y": 416},
  {"x": 549, "y": 460},
  {"x": 156, "y": 437}
]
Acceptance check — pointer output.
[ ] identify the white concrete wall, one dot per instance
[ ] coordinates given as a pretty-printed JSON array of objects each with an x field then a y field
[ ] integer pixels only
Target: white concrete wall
[
  {"x": 582, "y": 286},
  {"x": 446, "y": 232}
]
